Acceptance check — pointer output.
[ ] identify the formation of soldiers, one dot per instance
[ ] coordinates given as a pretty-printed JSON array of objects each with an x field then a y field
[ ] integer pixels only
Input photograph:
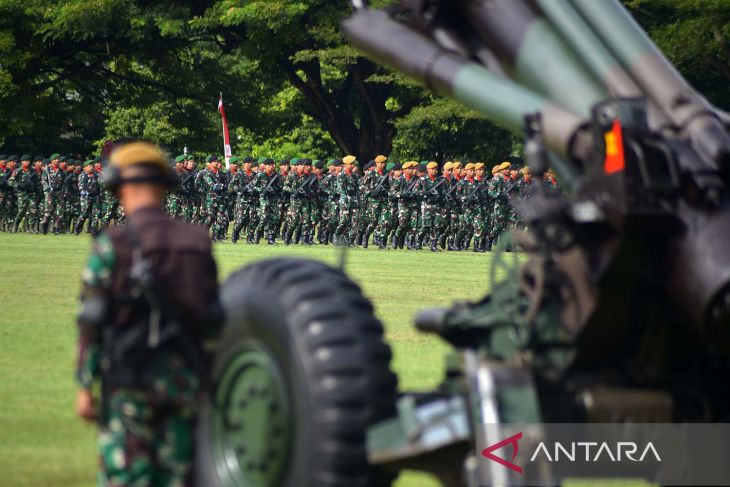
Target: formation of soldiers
[{"x": 455, "y": 206}]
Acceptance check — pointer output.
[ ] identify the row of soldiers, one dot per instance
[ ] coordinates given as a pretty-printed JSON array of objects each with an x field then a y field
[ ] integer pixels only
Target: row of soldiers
[
  {"x": 57, "y": 194},
  {"x": 408, "y": 205}
]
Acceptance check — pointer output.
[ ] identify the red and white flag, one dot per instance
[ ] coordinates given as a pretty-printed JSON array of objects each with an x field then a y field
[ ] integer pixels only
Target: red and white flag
[{"x": 226, "y": 139}]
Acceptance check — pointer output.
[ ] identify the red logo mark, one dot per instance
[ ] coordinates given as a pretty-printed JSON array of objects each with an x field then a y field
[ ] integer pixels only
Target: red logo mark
[{"x": 512, "y": 440}]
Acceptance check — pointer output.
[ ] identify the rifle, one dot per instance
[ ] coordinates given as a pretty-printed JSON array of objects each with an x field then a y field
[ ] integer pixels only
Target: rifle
[
  {"x": 306, "y": 185},
  {"x": 268, "y": 186},
  {"x": 376, "y": 190}
]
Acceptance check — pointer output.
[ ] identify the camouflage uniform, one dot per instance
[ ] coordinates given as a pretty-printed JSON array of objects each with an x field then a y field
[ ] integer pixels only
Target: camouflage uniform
[
  {"x": 293, "y": 220},
  {"x": 72, "y": 206},
  {"x": 52, "y": 181},
  {"x": 408, "y": 209},
  {"x": 431, "y": 191},
  {"x": 467, "y": 195},
  {"x": 346, "y": 189},
  {"x": 24, "y": 182},
  {"x": 500, "y": 206},
  {"x": 216, "y": 216},
  {"x": 90, "y": 195},
  {"x": 186, "y": 194},
  {"x": 146, "y": 427},
  {"x": 269, "y": 190},
  {"x": 375, "y": 192},
  {"x": 330, "y": 200}
]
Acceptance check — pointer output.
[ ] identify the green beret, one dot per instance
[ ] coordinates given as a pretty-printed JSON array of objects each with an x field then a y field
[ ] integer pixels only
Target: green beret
[
  {"x": 390, "y": 166},
  {"x": 60, "y": 159},
  {"x": 88, "y": 163},
  {"x": 284, "y": 162},
  {"x": 55, "y": 155},
  {"x": 3, "y": 157},
  {"x": 247, "y": 159},
  {"x": 397, "y": 166},
  {"x": 46, "y": 162},
  {"x": 295, "y": 161},
  {"x": 12, "y": 158},
  {"x": 38, "y": 158},
  {"x": 254, "y": 163},
  {"x": 421, "y": 167},
  {"x": 25, "y": 157},
  {"x": 319, "y": 164},
  {"x": 97, "y": 159},
  {"x": 179, "y": 159},
  {"x": 233, "y": 160}
]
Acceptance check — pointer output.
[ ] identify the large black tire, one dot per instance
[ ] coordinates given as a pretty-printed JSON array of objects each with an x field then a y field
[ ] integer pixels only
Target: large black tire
[{"x": 301, "y": 372}]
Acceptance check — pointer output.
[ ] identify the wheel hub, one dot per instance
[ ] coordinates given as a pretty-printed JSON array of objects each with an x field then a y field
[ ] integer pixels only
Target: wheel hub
[{"x": 251, "y": 430}]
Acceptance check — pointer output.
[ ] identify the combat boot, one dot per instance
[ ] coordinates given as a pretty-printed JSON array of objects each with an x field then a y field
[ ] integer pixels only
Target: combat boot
[
  {"x": 235, "y": 235},
  {"x": 442, "y": 242},
  {"x": 394, "y": 242},
  {"x": 434, "y": 243},
  {"x": 271, "y": 240},
  {"x": 477, "y": 244},
  {"x": 365, "y": 241},
  {"x": 287, "y": 238},
  {"x": 44, "y": 228},
  {"x": 257, "y": 238},
  {"x": 486, "y": 244},
  {"x": 418, "y": 242},
  {"x": 16, "y": 224},
  {"x": 77, "y": 228},
  {"x": 382, "y": 243}
]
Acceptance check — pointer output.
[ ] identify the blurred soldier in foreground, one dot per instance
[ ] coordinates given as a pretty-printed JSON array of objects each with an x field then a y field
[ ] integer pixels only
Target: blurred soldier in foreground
[{"x": 147, "y": 288}]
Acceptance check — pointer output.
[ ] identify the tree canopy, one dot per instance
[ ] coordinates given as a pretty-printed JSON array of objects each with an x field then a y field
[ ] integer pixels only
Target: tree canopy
[{"x": 76, "y": 72}]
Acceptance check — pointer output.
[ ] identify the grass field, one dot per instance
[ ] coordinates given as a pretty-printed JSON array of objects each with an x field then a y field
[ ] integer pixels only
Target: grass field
[{"x": 42, "y": 443}]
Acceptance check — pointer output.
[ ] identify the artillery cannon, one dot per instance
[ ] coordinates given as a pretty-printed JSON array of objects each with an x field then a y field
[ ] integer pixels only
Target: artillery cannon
[{"x": 620, "y": 313}]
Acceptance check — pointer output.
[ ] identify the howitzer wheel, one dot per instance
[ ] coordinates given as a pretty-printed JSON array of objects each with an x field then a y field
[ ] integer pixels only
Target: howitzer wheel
[{"x": 301, "y": 372}]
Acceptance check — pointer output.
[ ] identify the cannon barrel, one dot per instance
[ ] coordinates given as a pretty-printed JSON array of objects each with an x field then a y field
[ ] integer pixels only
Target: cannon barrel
[
  {"x": 658, "y": 78},
  {"x": 501, "y": 100},
  {"x": 539, "y": 58}
]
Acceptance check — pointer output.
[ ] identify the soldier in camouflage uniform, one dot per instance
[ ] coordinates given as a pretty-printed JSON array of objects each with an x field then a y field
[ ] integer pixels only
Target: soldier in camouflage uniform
[
  {"x": 186, "y": 189},
  {"x": 216, "y": 217},
  {"x": 8, "y": 209},
  {"x": 346, "y": 189},
  {"x": 407, "y": 204},
  {"x": 431, "y": 190},
  {"x": 317, "y": 201},
  {"x": 90, "y": 199},
  {"x": 309, "y": 190},
  {"x": 330, "y": 200},
  {"x": 290, "y": 190},
  {"x": 149, "y": 389},
  {"x": 24, "y": 181},
  {"x": 284, "y": 170},
  {"x": 374, "y": 187},
  {"x": 390, "y": 213},
  {"x": 52, "y": 182},
  {"x": 500, "y": 206},
  {"x": 268, "y": 186},
  {"x": 72, "y": 206},
  {"x": 466, "y": 193}
]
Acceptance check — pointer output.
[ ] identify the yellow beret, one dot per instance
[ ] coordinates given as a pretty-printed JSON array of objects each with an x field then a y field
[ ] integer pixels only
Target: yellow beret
[
  {"x": 448, "y": 165},
  {"x": 432, "y": 164},
  {"x": 457, "y": 165},
  {"x": 469, "y": 166},
  {"x": 479, "y": 165},
  {"x": 139, "y": 153},
  {"x": 505, "y": 165},
  {"x": 526, "y": 170},
  {"x": 381, "y": 158},
  {"x": 496, "y": 169},
  {"x": 349, "y": 159},
  {"x": 410, "y": 164}
]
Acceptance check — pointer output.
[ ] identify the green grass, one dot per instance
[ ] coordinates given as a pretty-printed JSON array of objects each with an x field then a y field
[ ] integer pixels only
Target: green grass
[{"x": 42, "y": 443}]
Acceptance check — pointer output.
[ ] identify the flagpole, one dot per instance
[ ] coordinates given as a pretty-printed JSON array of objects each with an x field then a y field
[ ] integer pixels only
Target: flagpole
[{"x": 226, "y": 139}]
